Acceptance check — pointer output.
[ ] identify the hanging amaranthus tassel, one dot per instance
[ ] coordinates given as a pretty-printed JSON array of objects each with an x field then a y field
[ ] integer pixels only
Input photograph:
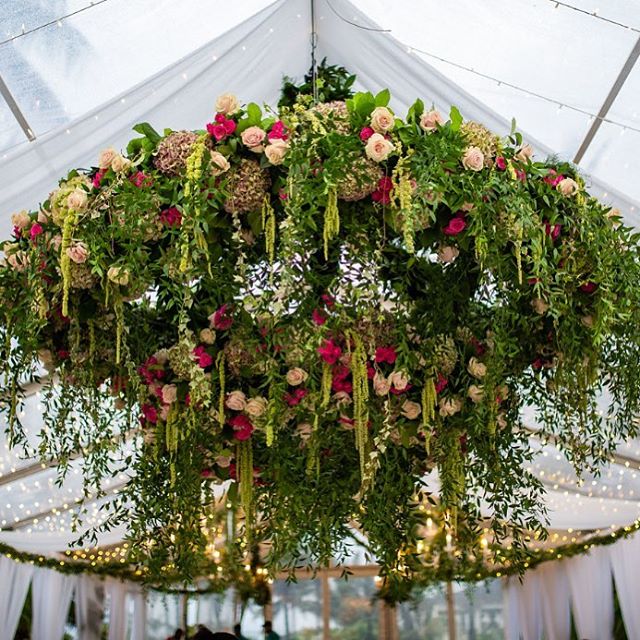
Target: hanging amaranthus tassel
[
  {"x": 404, "y": 194},
  {"x": 429, "y": 402},
  {"x": 244, "y": 459},
  {"x": 313, "y": 460},
  {"x": 65, "y": 260},
  {"x": 271, "y": 418},
  {"x": 360, "y": 402},
  {"x": 221, "y": 382},
  {"x": 331, "y": 220},
  {"x": 327, "y": 381},
  {"x": 171, "y": 441},
  {"x": 92, "y": 339},
  {"x": 269, "y": 226},
  {"x": 119, "y": 310},
  {"x": 518, "y": 244}
]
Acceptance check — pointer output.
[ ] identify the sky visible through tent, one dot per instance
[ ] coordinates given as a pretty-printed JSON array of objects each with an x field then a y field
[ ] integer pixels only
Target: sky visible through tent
[{"x": 72, "y": 66}]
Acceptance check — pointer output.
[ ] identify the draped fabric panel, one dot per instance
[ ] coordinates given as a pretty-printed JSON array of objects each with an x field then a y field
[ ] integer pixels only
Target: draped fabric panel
[
  {"x": 89, "y": 603},
  {"x": 52, "y": 592},
  {"x": 530, "y": 607},
  {"x": 139, "y": 615},
  {"x": 556, "y": 605},
  {"x": 15, "y": 578},
  {"x": 117, "y": 592},
  {"x": 511, "y": 594},
  {"x": 625, "y": 562}
]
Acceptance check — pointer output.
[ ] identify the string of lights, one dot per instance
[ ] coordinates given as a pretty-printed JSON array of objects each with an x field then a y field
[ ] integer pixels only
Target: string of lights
[{"x": 593, "y": 14}]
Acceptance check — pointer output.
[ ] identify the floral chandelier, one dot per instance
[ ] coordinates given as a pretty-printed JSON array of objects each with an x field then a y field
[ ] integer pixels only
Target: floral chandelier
[{"x": 341, "y": 312}]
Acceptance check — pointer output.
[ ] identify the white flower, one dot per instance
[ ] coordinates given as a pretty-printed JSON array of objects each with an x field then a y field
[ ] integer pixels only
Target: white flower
[
  {"x": 120, "y": 164},
  {"x": 447, "y": 253},
  {"x": 236, "y": 401},
  {"x": 473, "y": 159},
  {"x": 399, "y": 380},
  {"x": 106, "y": 158},
  {"x": 539, "y": 306},
  {"x": 296, "y": 376},
  {"x": 568, "y": 187},
  {"x": 207, "y": 336},
  {"x": 304, "y": 431},
  {"x": 219, "y": 164},
  {"x": 21, "y": 219},
  {"x": 253, "y": 137},
  {"x": 255, "y": 407},
  {"x": 227, "y": 103},
  {"x": 77, "y": 200},
  {"x": 476, "y": 368},
  {"x": 276, "y": 151},
  {"x": 382, "y": 120},
  {"x": 378, "y": 147},
  {"x": 525, "y": 153},
  {"x": 381, "y": 385}
]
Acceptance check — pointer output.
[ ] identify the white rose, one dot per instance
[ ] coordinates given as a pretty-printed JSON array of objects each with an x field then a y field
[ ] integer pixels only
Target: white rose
[
  {"x": 236, "y": 401},
  {"x": 539, "y": 306},
  {"x": 21, "y": 219},
  {"x": 219, "y": 164},
  {"x": 475, "y": 393},
  {"x": 207, "y": 336},
  {"x": 473, "y": 159},
  {"x": 449, "y": 406},
  {"x": 227, "y": 103},
  {"x": 255, "y": 407},
  {"x": 120, "y": 164},
  {"x": 525, "y": 153},
  {"x": 568, "y": 187},
  {"x": 253, "y": 137},
  {"x": 77, "y": 200},
  {"x": 430, "y": 120},
  {"x": 476, "y": 368},
  {"x": 106, "y": 158},
  {"x": 296, "y": 376},
  {"x": 382, "y": 120},
  {"x": 378, "y": 147},
  {"x": 169, "y": 393},
  {"x": 399, "y": 380},
  {"x": 410, "y": 410},
  {"x": 304, "y": 431},
  {"x": 276, "y": 151},
  {"x": 381, "y": 385},
  {"x": 447, "y": 253},
  {"x": 118, "y": 275}
]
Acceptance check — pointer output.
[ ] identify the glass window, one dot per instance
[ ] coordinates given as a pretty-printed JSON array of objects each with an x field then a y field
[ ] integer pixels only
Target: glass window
[
  {"x": 297, "y": 609},
  {"x": 354, "y": 610}
]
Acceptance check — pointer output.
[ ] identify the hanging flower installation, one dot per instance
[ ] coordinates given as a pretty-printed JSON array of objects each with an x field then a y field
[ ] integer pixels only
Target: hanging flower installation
[{"x": 342, "y": 312}]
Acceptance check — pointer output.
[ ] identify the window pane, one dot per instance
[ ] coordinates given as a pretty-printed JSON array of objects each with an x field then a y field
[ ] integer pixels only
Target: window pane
[
  {"x": 354, "y": 612},
  {"x": 297, "y": 609}
]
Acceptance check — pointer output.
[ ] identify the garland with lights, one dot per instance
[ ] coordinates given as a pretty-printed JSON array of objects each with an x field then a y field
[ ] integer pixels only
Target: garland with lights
[{"x": 320, "y": 307}]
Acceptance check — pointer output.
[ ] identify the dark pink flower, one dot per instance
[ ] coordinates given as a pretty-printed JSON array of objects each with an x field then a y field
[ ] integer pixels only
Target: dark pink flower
[
  {"x": 381, "y": 196},
  {"x": 588, "y": 287},
  {"x": 242, "y": 427},
  {"x": 366, "y": 133},
  {"x": 399, "y": 392},
  {"x": 441, "y": 383},
  {"x": 341, "y": 372},
  {"x": 222, "y": 318},
  {"x": 283, "y": 195},
  {"x": 385, "y": 354},
  {"x": 140, "y": 179},
  {"x": 318, "y": 317},
  {"x": 150, "y": 413},
  {"x": 220, "y": 118},
  {"x": 553, "y": 231},
  {"x": 278, "y": 131},
  {"x": 295, "y": 398},
  {"x": 63, "y": 354},
  {"x": 35, "y": 231},
  {"x": 537, "y": 363},
  {"x": 327, "y": 299},
  {"x": 202, "y": 358},
  {"x": 340, "y": 384},
  {"x": 217, "y": 131},
  {"x": 371, "y": 372},
  {"x": 501, "y": 163},
  {"x": 17, "y": 232},
  {"x": 521, "y": 174},
  {"x": 171, "y": 217},
  {"x": 97, "y": 179},
  {"x": 456, "y": 225},
  {"x": 533, "y": 281},
  {"x": 385, "y": 184},
  {"x": 553, "y": 177},
  {"x": 329, "y": 352},
  {"x": 229, "y": 126}
]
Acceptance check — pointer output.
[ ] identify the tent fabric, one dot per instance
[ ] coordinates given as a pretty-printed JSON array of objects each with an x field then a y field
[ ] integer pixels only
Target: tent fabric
[
  {"x": 52, "y": 593},
  {"x": 625, "y": 560},
  {"x": 15, "y": 578},
  {"x": 89, "y": 604},
  {"x": 117, "y": 595},
  {"x": 556, "y": 607}
]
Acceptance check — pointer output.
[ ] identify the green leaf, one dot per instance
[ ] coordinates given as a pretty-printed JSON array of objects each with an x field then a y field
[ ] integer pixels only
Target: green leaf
[
  {"x": 382, "y": 99},
  {"x": 148, "y": 131},
  {"x": 254, "y": 113},
  {"x": 456, "y": 118}
]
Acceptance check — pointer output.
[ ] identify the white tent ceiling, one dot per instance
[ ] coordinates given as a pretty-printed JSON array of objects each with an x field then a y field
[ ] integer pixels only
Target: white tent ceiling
[{"x": 81, "y": 83}]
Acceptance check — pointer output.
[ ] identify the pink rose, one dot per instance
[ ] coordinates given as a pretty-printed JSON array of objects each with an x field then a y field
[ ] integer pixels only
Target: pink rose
[
  {"x": 449, "y": 406},
  {"x": 410, "y": 410},
  {"x": 77, "y": 200},
  {"x": 525, "y": 153},
  {"x": 20, "y": 220},
  {"x": 378, "y": 147},
  {"x": 381, "y": 385},
  {"x": 447, "y": 253},
  {"x": 253, "y": 137},
  {"x": 366, "y": 133},
  {"x": 501, "y": 163},
  {"x": 382, "y": 120},
  {"x": 171, "y": 217},
  {"x": 475, "y": 393},
  {"x": 318, "y": 317},
  {"x": 35, "y": 231},
  {"x": 568, "y": 187},
  {"x": 296, "y": 376},
  {"x": 236, "y": 401},
  {"x": 456, "y": 225},
  {"x": 430, "y": 120},
  {"x": 278, "y": 131},
  {"x": 107, "y": 157},
  {"x": 276, "y": 151},
  {"x": 473, "y": 159},
  {"x": 78, "y": 252},
  {"x": 169, "y": 393},
  {"x": 399, "y": 380},
  {"x": 219, "y": 164},
  {"x": 201, "y": 357},
  {"x": 256, "y": 406}
]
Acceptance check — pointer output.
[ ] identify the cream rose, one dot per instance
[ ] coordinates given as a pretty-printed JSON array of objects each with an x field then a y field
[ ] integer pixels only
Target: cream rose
[
  {"x": 587, "y": 321},
  {"x": 449, "y": 406},
  {"x": 207, "y": 336},
  {"x": 219, "y": 164},
  {"x": 447, "y": 254},
  {"x": 476, "y": 368},
  {"x": 120, "y": 164},
  {"x": 473, "y": 159},
  {"x": 276, "y": 151},
  {"x": 381, "y": 385},
  {"x": 56, "y": 241},
  {"x": 223, "y": 461},
  {"x": 430, "y": 120},
  {"x": 399, "y": 380},
  {"x": 410, "y": 410},
  {"x": 118, "y": 275},
  {"x": 46, "y": 357},
  {"x": 296, "y": 376},
  {"x": 43, "y": 218},
  {"x": 382, "y": 120},
  {"x": 341, "y": 399},
  {"x": 169, "y": 393},
  {"x": 77, "y": 200},
  {"x": 378, "y": 147},
  {"x": 78, "y": 252},
  {"x": 525, "y": 153},
  {"x": 304, "y": 431},
  {"x": 18, "y": 260},
  {"x": 539, "y": 306},
  {"x": 253, "y": 137},
  {"x": 162, "y": 356},
  {"x": 106, "y": 157},
  {"x": 227, "y": 103},
  {"x": 236, "y": 401},
  {"x": 256, "y": 407},
  {"x": 568, "y": 187},
  {"x": 475, "y": 393},
  {"x": 20, "y": 219}
]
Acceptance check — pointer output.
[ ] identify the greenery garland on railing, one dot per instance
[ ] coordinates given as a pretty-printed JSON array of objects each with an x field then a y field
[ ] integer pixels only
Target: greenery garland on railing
[{"x": 324, "y": 305}]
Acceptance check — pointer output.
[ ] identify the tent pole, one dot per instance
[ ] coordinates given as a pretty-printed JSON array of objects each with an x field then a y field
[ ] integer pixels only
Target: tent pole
[
  {"x": 16, "y": 111},
  {"x": 451, "y": 618},
  {"x": 314, "y": 44}
]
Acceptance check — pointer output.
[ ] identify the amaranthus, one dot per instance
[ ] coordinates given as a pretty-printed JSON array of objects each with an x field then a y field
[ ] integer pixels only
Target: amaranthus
[{"x": 331, "y": 220}]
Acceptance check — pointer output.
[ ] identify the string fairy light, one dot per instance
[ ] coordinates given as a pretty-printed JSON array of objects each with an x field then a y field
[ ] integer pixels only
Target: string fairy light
[{"x": 593, "y": 14}]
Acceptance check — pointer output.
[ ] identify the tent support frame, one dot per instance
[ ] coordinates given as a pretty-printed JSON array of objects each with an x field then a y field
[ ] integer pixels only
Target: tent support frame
[{"x": 16, "y": 111}]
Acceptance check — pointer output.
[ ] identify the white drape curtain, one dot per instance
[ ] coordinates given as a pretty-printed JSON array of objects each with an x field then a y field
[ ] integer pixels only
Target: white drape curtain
[
  {"x": 89, "y": 603},
  {"x": 52, "y": 592},
  {"x": 14, "y": 585},
  {"x": 139, "y": 624},
  {"x": 556, "y": 606},
  {"x": 625, "y": 562},
  {"x": 530, "y": 607},
  {"x": 117, "y": 592}
]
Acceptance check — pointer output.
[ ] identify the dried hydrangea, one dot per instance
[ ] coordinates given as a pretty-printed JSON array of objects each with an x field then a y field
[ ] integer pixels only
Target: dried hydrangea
[
  {"x": 361, "y": 181},
  {"x": 336, "y": 113},
  {"x": 445, "y": 355},
  {"x": 172, "y": 152},
  {"x": 477, "y": 135},
  {"x": 81, "y": 276},
  {"x": 247, "y": 186},
  {"x": 180, "y": 358},
  {"x": 237, "y": 355}
]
